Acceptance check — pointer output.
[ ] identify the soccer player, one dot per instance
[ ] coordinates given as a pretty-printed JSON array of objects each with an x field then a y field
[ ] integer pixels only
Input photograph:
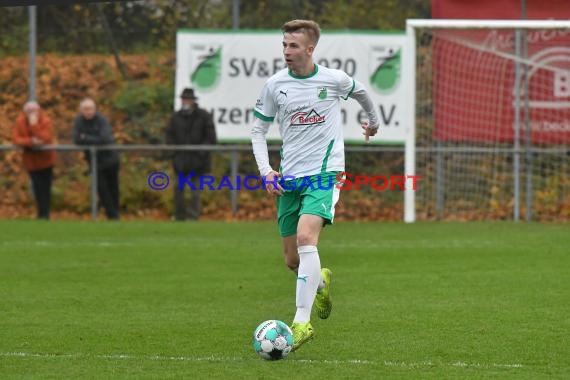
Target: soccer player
[{"x": 305, "y": 99}]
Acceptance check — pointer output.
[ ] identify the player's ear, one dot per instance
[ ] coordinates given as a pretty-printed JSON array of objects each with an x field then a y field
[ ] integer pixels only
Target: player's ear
[{"x": 310, "y": 49}]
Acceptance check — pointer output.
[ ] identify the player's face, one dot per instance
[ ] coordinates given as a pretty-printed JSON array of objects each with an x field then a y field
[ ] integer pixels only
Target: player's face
[{"x": 298, "y": 52}]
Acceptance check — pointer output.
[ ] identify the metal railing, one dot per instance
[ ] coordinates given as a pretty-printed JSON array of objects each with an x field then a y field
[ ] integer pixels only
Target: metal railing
[{"x": 235, "y": 149}]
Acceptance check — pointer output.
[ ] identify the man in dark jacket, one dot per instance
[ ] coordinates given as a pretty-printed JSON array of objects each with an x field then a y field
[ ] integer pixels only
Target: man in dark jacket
[
  {"x": 190, "y": 125},
  {"x": 92, "y": 128}
]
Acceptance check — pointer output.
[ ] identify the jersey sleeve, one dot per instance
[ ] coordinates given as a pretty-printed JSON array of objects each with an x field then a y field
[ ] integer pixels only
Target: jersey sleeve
[
  {"x": 345, "y": 85},
  {"x": 265, "y": 108}
]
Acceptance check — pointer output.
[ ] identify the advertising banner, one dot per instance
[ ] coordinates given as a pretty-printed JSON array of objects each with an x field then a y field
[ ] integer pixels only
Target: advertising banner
[{"x": 228, "y": 69}]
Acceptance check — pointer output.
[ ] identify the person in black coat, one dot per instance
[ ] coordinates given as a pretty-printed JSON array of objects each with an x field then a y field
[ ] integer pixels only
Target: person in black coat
[
  {"x": 92, "y": 128},
  {"x": 190, "y": 125}
]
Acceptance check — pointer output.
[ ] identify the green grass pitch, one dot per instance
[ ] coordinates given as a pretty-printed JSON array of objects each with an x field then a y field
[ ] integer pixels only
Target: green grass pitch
[{"x": 167, "y": 300}]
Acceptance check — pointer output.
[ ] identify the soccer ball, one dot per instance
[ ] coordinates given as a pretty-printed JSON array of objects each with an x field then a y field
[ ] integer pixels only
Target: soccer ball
[{"x": 272, "y": 340}]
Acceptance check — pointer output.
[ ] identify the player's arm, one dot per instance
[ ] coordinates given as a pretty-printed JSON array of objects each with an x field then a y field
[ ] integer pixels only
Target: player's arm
[
  {"x": 264, "y": 114},
  {"x": 261, "y": 153},
  {"x": 360, "y": 94},
  {"x": 259, "y": 144}
]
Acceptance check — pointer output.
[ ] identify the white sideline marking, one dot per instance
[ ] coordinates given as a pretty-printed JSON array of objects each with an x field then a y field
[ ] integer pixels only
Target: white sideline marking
[{"x": 238, "y": 359}]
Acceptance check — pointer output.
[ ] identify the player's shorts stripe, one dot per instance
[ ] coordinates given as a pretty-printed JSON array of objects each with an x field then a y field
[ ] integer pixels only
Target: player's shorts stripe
[{"x": 335, "y": 197}]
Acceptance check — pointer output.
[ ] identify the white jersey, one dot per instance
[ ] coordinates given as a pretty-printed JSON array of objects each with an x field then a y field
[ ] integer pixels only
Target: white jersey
[{"x": 309, "y": 116}]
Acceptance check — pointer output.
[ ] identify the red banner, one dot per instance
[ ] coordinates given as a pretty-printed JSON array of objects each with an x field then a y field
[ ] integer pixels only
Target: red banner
[{"x": 474, "y": 79}]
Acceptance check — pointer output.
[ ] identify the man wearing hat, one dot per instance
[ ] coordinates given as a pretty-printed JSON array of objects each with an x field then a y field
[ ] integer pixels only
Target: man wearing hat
[{"x": 191, "y": 125}]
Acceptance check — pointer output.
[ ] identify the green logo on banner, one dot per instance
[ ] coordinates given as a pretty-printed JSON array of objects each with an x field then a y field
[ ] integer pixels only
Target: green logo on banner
[
  {"x": 385, "y": 65},
  {"x": 207, "y": 72}
]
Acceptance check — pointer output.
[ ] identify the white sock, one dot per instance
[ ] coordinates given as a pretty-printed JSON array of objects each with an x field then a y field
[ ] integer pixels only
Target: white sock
[{"x": 308, "y": 278}]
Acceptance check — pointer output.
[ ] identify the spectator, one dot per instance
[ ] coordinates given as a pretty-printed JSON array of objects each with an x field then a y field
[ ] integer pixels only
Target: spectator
[
  {"x": 190, "y": 125},
  {"x": 92, "y": 128},
  {"x": 32, "y": 129}
]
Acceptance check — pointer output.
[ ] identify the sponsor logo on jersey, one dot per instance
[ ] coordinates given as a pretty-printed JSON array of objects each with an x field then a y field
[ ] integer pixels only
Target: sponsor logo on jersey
[{"x": 307, "y": 118}]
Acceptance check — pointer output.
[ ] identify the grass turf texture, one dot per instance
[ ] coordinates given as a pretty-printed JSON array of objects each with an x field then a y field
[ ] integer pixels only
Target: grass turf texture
[{"x": 181, "y": 300}]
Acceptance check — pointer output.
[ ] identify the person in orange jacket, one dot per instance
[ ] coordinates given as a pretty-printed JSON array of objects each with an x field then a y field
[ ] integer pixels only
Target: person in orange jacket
[{"x": 32, "y": 129}]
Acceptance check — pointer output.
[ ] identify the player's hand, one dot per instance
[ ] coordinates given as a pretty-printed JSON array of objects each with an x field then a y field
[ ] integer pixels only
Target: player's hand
[
  {"x": 368, "y": 132},
  {"x": 36, "y": 141},
  {"x": 272, "y": 183}
]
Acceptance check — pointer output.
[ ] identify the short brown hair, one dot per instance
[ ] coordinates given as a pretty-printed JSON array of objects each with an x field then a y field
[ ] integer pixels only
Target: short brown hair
[{"x": 308, "y": 27}]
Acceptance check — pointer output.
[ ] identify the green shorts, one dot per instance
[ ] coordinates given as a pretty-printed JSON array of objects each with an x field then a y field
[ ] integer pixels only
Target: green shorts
[{"x": 315, "y": 195}]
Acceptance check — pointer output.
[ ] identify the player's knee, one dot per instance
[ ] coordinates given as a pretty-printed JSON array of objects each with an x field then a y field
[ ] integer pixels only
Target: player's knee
[{"x": 305, "y": 239}]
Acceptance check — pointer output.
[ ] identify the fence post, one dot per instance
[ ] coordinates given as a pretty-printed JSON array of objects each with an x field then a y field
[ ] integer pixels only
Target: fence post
[
  {"x": 517, "y": 126},
  {"x": 528, "y": 137},
  {"x": 233, "y": 174},
  {"x": 439, "y": 181},
  {"x": 32, "y": 52},
  {"x": 93, "y": 153}
]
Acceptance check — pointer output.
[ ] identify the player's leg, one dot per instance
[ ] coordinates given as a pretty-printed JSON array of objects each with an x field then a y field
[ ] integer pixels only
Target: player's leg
[
  {"x": 290, "y": 252},
  {"x": 288, "y": 209},
  {"x": 291, "y": 257},
  {"x": 320, "y": 200},
  {"x": 309, "y": 272},
  {"x": 308, "y": 276},
  {"x": 300, "y": 249}
]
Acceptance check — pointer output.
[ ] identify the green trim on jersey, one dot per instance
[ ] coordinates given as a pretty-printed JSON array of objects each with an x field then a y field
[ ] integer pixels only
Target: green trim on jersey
[
  {"x": 262, "y": 116},
  {"x": 326, "y": 159},
  {"x": 315, "y": 71},
  {"x": 352, "y": 89}
]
